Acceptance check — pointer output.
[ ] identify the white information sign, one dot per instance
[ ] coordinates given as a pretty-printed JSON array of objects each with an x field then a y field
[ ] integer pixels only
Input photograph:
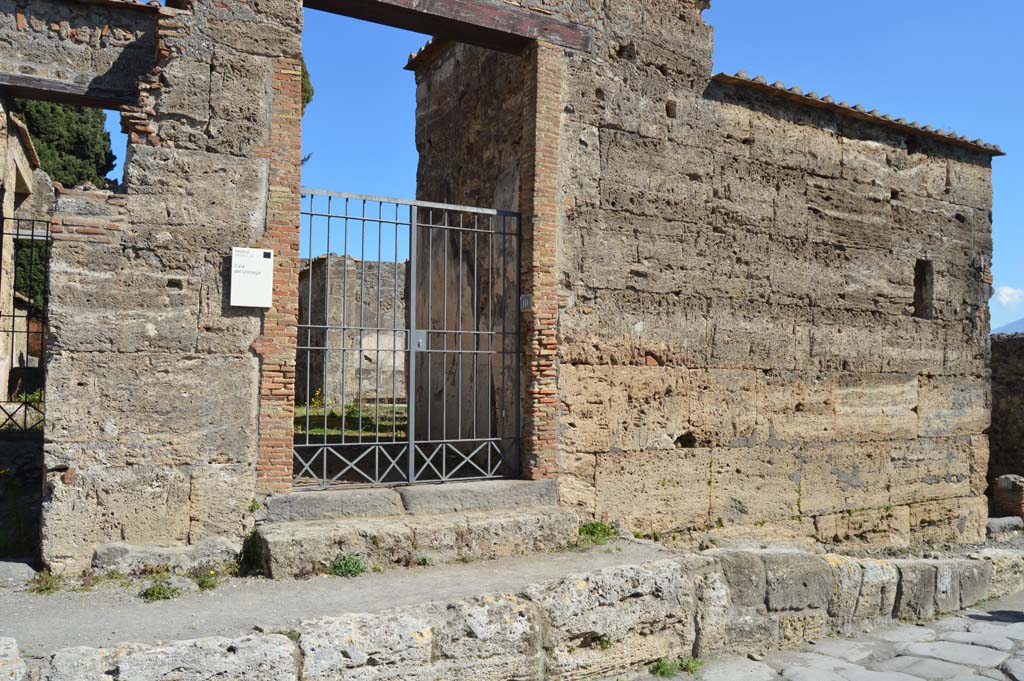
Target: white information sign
[{"x": 252, "y": 277}]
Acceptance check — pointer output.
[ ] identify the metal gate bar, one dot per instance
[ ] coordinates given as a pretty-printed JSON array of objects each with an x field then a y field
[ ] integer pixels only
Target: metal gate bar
[
  {"x": 408, "y": 348},
  {"x": 24, "y": 282}
]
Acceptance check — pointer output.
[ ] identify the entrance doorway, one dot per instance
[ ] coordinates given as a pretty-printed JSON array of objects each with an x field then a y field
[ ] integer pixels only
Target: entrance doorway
[{"x": 408, "y": 350}]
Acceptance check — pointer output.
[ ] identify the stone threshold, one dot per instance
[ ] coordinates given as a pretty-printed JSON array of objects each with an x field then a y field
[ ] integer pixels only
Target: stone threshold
[{"x": 592, "y": 623}]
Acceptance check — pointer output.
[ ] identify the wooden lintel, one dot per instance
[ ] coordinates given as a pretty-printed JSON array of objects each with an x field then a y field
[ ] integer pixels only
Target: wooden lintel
[
  {"x": 478, "y": 22},
  {"x": 45, "y": 89}
]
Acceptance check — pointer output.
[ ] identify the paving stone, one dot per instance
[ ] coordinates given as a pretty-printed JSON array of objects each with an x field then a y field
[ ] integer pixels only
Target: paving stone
[
  {"x": 980, "y": 639},
  {"x": 950, "y": 624},
  {"x": 15, "y": 574},
  {"x": 1013, "y": 630},
  {"x": 867, "y": 675},
  {"x": 853, "y": 650},
  {"x": 975, "y": 656},
  {"x": 737, "y": 669},
  {"x": 924, "y": 668},
  {"x": 1014, "y": 667},
  {"x": 905, "y": 634}
]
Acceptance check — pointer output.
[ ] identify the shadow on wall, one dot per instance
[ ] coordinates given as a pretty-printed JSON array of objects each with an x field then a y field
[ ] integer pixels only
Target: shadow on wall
[
  {"x": 21, "y": 494},
  {"x": 1007, "y": 432}
]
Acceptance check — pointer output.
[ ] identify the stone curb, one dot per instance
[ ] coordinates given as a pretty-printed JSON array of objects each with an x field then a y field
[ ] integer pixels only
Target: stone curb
[{"x": 590, "y": 625}]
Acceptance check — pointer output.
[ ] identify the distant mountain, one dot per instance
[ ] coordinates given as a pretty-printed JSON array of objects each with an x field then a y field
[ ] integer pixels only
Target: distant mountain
[{"x": 1012, "y": 327}]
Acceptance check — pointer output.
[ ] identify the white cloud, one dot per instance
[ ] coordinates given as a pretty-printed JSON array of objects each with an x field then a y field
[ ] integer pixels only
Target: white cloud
[{"x": 1008, "y": 296}]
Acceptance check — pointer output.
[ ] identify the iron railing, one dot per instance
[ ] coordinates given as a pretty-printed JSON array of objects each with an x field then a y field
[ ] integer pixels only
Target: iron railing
[
  {"x": 24, "y": 294},
  {"x": 408, "y": 342}
]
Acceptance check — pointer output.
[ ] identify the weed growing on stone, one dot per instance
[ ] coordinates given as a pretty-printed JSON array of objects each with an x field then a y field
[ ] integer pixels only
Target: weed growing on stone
[
  {"x": 45, "y": 583},
  {"x": 347, "y": 565},
  {"x": 293, "y": 634},
  {"x": 668, "y": 667},
  {"x": 159, "y": 591},
  {"x": 604, "y": 643},
  {"x": 254, "y": 506},
  {"x": 205, "y": 578},
  {"x": 595, "y": 533}
]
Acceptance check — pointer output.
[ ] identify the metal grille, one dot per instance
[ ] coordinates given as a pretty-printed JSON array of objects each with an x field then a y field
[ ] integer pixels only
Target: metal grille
[
  {"x": 407, "y": 366},
  {"x": 24, "y": 270}
]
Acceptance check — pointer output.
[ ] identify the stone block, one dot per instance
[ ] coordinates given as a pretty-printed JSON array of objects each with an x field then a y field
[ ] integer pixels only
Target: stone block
[
  {"x": 954, "y": 405},
  {"x": 637, "y": 489},
  {"x": 847, "y": 578},
  {"x": 219, "y": 501},
  {"x": 796, "y": 628},
  {"x": 15, "y": 574},
  {"x": 478, "y": 496},
  {"x": 1007, "y": 571},
  {"x": 959, "y": 520},
  {"x": 353, "y": 503},
  {"x": 486, "y": 637},
  {"x": 873, "y": 407},
  {"x": 797, "y": 581},
  {"x": 1001, "y": 527},
  {"x": 880, "y": 582},
  {"x": 608, "y": 622},
  {"x": 744, "y": 572},
  {"x": 128, "y": 557},
  {"x": 843, "y": 476},
  {"x": 81, "y": 663},
  {"x": 296, "y": 548},
  {"x": 270, "y": 657},
  {"x": 929, "y": 469},
  {"x": 713, "y": 601},
  {"x": 754, "y": 485},
  {"x": 915, "y": 599},
  {"x": 12, "y": 667},
  {"x": 975, "y": 577}
]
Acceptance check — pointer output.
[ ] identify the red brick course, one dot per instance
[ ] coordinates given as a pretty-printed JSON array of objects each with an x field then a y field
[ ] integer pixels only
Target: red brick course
[{"x": 276, "y": 346}]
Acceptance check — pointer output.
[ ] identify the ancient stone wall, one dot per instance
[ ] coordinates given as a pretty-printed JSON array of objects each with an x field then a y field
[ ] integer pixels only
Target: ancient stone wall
[
  {"x": 154, "y": 382},
  {"x": 366, "y": 362},
  {"x": 1007, "y": 433},
  {"x": 93, "y": 50},
  {"x": 738, "y": 338}
]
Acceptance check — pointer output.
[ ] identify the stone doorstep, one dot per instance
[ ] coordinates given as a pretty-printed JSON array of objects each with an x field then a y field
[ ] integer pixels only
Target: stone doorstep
[
  {"x": 597, "y": 624},
  {"x": 290, "y": 549},
  {"x": 452, "y": 497}
]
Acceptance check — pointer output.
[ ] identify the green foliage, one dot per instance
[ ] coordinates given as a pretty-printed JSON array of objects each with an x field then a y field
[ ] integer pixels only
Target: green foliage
[
  {"x": 31, "y": 264},
  {"x": 73, "y": 146},
  {"x": 668, "y": 667},
  {"x": 45, "y": 583},
  {"x": 254, "y": 506},
  {"x": 293, "y": 634},
  {"x": 307, "y": 87},
  {"x": 347, "y": 565},
  {"x": 159, "y": 591},
  {"x": 596, "y": 533}
]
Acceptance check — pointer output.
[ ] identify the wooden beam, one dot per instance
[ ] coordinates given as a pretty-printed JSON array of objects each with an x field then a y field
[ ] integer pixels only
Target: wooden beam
[
  {"x": 478, "y": 22},
  {"x": 48, "y": 90}
]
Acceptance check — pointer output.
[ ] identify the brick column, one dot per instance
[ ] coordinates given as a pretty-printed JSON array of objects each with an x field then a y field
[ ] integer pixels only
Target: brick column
[
  {"x": 540, "y": 210},
  {"x": 276, "y": 346}
]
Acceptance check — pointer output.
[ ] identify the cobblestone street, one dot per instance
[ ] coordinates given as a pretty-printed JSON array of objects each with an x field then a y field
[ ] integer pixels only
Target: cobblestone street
[{"x": 978, "y": 645}]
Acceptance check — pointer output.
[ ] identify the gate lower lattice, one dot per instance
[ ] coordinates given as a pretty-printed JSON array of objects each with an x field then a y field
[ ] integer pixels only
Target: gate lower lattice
[{"x": 407, "y": 366}]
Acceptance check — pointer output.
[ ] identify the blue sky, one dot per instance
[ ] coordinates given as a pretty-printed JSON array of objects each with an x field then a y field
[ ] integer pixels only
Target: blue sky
[{"x": 952, "y": 64}]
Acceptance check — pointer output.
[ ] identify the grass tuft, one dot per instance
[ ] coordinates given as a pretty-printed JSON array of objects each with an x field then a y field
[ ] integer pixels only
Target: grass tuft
[
  {"x": 159, "y": 591},
  {"x": 45, "y": 584},
  {"x": 595, "y": 533},
  {"x": 347, "y": 565}
]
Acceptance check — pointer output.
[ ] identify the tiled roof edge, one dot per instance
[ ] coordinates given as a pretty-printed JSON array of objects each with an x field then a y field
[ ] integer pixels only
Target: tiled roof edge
[{"x": 778, "y": 89}]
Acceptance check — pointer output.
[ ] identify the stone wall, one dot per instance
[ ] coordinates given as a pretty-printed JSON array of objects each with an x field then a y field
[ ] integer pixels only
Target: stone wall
[
  {"x": 1007, "y": 433},
  {"x": 738, "y": 338},
  {"x": 93, "y": 50},
  {"x": 367, "y": 363},
  {"x": 156, "y": 425},
  {"x": 599, "y": 624}
]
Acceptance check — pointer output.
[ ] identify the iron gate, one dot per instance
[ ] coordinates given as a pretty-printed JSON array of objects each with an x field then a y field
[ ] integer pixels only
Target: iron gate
[
  {"x": 408, "y": 365},
  {"x": 24, "y": 268}
]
